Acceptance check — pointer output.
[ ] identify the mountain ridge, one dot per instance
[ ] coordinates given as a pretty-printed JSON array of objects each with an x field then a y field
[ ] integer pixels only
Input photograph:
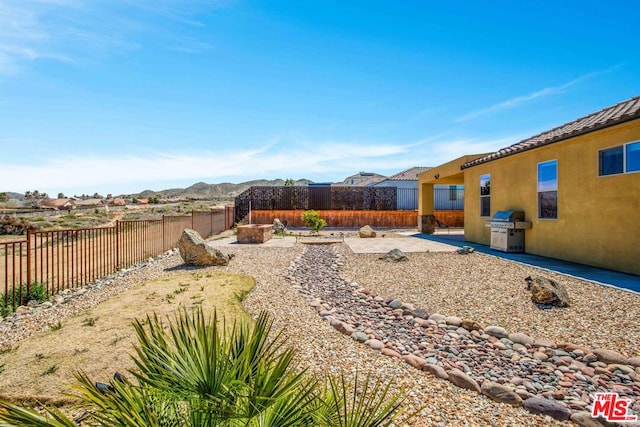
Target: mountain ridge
[{"x": 221, "y": 191}]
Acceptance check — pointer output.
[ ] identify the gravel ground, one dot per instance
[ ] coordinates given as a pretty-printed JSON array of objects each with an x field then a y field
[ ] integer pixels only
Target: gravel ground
[
  {"x": 492, "y": 291},
  {"x": 477, "y": 287}
]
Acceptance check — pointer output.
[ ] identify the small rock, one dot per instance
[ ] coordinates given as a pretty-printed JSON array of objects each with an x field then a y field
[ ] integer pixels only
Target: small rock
[
  {"x": 588, "y": 358},
  {"x": 374, "y": 344},
  {"x": 547, "y": 292},
  {"x": 453, "y": 320},
  {"x": 496, "y": 331},
  {"x": 471, "y": 325},
  {"x": 359, "y": 336},
  {"x": 395, "y": 255},
  {"x": 463, "y": 380},
  {"x": 500, "y": 393},
  {"x": 538, "y": 405},
  {"x": 610, "y": 356},
  {"x": 415, "y": 361},
  {"x": 521, "y": 338},
  {"x": 367, "y": 232},
  {"x": 421, "y": 313},
  {"x": 391, "y": 353},
  {"x": 395, "y": 303},
  {"x": 437, "y": 317},
  {"x": 342, "y": 327},
  {"x": 436, "y": 370}
]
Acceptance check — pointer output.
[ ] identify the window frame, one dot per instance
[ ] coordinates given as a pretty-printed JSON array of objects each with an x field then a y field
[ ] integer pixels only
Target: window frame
[
  {"x": 624, "y": 159},
  {"x": 485, "y": 196},
  {"x": 538, "y": 192}
]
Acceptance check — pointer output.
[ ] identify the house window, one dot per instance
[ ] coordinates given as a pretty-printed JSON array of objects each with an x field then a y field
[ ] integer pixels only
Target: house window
[
  {"x": 621, "y": 159},
  {"x": 632, "y": 153},
  {"x": 453, "y": 192},
  {"x": 485, "y": 195},
  {"x": 548, "y": 190}
]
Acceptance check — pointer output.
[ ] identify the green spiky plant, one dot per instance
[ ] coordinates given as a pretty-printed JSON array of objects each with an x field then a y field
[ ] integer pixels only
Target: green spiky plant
[{"x": 202, "y": 372}]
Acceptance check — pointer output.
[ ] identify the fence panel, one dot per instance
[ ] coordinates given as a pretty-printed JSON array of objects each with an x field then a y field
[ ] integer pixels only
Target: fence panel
[
  {"x": 407, "y": 199},
  {"x": 61, "y": 259},
  {"x": 139, "y": 240},
  {"x": 449, "y": 199},
  {"x": 318, "y": 198},
  {"x": 173, "y": 227},
  {"x": 13, "y": 263}
]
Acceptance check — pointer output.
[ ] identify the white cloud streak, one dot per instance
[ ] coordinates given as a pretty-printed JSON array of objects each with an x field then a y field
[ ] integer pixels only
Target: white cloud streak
[
  {"x": 73, "y": 30},
  {"x": 519, "y": 100},
  {"x": 302, "y": 159}
]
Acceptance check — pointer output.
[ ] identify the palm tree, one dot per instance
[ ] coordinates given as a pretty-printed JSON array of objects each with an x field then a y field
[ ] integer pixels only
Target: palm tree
[{"x": 202, "y": 372}]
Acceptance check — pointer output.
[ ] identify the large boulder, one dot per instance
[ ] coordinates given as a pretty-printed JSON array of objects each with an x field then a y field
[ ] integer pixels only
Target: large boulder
[
  {"x": 367, "y": 232},
  {"x": 395, "y": 255},
  {"x": 195, "y": 251},
  {"x": 548, "y": 292}
]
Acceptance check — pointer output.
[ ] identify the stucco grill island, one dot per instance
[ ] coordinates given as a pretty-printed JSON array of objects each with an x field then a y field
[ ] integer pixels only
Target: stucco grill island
[{"x": 507, "y": 231}]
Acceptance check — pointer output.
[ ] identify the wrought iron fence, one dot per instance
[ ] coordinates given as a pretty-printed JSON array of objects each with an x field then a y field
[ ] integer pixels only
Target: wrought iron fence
[{"x": 61, "y": 259}]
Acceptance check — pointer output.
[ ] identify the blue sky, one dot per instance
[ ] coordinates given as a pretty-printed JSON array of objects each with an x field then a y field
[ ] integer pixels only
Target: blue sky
[{"x": 119, "y": 96}]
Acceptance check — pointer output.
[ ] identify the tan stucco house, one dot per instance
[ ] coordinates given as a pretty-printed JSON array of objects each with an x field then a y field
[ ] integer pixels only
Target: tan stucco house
[{"x": 578, "y": 185}]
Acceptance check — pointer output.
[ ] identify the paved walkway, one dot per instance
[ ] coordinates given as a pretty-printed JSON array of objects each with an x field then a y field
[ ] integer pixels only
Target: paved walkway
[
  {"x": 379, "y": 245},
  {"x": 382, "y": 245}
]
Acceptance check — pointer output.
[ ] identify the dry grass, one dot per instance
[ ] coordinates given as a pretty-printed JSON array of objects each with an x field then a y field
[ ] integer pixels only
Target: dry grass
[{"x": 99, "y": 341}]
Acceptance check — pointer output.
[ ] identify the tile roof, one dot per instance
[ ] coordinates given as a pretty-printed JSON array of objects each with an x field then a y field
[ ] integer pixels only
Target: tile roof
[
  {"x": 409, "y": 174},
  {"x": 622, "y": 112}
]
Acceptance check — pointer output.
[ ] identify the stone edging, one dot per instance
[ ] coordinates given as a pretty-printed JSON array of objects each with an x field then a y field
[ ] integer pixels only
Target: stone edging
[{"x": 544, "y": 377}]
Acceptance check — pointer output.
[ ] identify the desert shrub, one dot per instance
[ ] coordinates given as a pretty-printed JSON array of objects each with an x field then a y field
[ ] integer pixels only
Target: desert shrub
[
  {"x": 312, "y": 219},
  {"x": 15, "y": 226},
  {"x": 6, "y": 305},
  {"x": 37, "y": 292},
  {"x": 203, "y": 371}
]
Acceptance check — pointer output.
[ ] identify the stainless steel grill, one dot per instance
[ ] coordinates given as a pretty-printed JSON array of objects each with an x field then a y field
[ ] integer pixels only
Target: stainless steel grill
[{"x": 507, "y": 231}]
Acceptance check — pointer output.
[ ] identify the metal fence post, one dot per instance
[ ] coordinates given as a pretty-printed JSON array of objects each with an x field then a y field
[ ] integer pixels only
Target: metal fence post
[
  {"x": 29, "y": 257},
  {"x": 117, "y": 244}
]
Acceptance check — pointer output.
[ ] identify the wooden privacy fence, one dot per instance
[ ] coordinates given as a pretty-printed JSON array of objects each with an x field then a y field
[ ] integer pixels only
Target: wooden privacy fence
[{"x": 61, "y": 259}]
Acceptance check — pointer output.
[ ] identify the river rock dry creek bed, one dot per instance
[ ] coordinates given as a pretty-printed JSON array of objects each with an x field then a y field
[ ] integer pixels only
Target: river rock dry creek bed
[{"x": 467, "y": 318}]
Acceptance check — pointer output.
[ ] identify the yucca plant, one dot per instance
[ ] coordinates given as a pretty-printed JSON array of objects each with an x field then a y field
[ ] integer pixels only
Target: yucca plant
[{"x": 199, "y": 371}]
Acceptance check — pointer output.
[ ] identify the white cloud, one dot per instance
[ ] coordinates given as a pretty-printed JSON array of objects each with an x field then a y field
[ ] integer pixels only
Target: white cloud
[
  {"x": 316, "y": 160},
  {"x": 519, "y": 100}
]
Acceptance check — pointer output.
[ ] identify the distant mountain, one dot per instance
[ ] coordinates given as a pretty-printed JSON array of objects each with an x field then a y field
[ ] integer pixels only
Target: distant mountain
[
  {"x": 204, "y": 191},
  {"x": 14, "y": 196}
]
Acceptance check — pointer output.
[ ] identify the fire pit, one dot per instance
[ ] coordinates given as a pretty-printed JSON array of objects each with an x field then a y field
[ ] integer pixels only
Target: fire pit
[
  {"x": 507, "y": 231},
  {"x": 254, "y": 233}
]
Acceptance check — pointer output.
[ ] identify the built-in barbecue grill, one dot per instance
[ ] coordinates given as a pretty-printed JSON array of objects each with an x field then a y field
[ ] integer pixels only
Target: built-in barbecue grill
[{"x": 507, "y": 231}]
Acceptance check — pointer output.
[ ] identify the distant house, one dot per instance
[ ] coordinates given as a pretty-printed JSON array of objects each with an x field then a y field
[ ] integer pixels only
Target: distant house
[
  {"x": 446, "y": 197},
  {"x": 578, "y": 185},
  {"x": 118, "y": 201},
  {"x": 89, "y": 203},
  {"x": 407, "y": 184},
  {"x": 363, "y": 179},
  {"x": 63, "y": 204}
]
